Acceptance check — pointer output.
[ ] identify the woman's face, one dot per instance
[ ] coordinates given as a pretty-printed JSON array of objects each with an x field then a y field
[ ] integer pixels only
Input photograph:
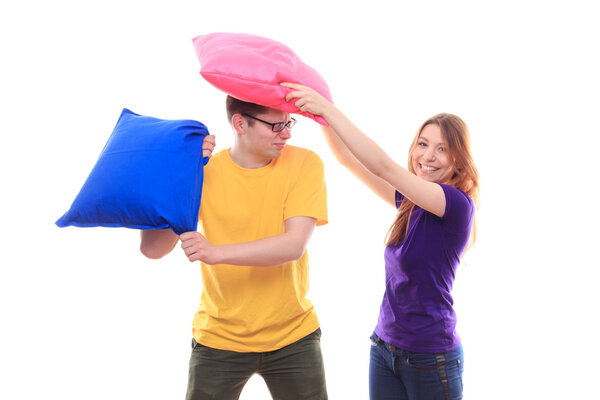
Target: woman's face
[{"x": 430, "y": 157}]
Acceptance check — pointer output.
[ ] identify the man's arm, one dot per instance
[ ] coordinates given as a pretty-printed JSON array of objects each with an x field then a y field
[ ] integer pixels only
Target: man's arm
[
  {"x": 157, "y": 243},
  {"x": 267, "y": 252}
]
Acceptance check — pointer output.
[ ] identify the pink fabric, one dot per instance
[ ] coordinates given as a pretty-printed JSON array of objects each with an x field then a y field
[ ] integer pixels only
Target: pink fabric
[{"x": 250, "y": 68}]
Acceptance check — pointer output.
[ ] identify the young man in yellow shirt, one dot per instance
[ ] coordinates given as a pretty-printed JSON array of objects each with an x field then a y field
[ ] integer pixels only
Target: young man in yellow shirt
[{"x": 261, "y": 201}]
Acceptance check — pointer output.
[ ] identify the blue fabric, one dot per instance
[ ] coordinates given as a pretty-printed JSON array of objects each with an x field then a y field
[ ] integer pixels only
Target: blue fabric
[
  {"x": 399, "y": 374},
  {"x": 149, "y": 176}
]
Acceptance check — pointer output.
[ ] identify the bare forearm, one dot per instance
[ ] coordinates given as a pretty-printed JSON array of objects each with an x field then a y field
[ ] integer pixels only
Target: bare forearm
[
  {"x": 361, "y": 147},
  {"x": 364, "y": 149},
  {"x": 427, "y": 195},
  {"x": 267, "y": 252},
  {"x": 338, "y": 148},
  {"x": 345, "y": 157},
  {"x": 157, "y": 243}
]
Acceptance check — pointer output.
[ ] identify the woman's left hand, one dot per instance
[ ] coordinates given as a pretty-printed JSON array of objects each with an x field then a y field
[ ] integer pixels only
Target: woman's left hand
[{"x": 308, "y": 99}]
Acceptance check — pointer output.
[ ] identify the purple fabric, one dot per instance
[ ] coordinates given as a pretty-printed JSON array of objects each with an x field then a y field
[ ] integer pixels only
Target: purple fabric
[{"x": 416, "y": 313}]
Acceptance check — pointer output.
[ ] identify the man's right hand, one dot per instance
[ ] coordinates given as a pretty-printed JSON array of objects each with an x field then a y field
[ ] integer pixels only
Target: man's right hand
[{"x": 208, "y": 145}]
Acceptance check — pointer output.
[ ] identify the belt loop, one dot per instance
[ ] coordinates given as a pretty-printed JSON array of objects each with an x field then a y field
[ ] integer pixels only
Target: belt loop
[
  {"x": 441, "y": 367},
  {"x": 375, "y": 340}
]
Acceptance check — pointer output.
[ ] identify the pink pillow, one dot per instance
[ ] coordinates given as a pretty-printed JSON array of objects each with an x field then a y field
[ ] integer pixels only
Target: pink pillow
[{"x": 250, "y": 68}]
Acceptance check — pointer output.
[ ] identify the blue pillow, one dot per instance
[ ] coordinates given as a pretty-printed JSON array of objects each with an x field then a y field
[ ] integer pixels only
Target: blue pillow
[{"x": 149, "y": 176}]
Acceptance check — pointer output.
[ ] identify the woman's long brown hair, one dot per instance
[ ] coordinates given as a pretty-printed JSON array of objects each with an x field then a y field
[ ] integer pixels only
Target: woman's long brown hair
[{"x": 465, "y": 176}]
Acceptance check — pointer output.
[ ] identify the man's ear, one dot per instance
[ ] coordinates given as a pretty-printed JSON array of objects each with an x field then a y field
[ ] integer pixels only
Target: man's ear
[{"x": 239, "y": 123}]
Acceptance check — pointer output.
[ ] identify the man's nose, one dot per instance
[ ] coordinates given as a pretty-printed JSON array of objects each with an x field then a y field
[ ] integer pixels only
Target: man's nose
[{"x": 286, "y": 133}]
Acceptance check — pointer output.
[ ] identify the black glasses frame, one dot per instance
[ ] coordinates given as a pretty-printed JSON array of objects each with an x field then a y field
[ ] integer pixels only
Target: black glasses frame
[{"x": 277, "y": 126}]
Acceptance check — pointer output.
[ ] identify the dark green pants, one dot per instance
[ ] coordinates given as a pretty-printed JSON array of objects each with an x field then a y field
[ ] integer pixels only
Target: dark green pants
[{"x": 292, "y": 372}]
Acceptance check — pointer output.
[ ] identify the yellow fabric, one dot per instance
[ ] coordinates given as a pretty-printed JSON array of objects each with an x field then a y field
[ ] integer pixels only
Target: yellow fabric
[{"x": 257, "y": 309}]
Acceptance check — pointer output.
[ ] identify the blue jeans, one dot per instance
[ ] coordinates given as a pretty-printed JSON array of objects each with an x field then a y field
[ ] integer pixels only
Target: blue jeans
[{"x": 403, "y": 375}]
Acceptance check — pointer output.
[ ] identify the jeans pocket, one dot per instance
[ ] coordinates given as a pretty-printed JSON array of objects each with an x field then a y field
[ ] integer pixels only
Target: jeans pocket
[
  {"x": 455, "y": 370},
  {"x": 317, "y": 334},
  {"x": 196, "y": 345},
  {"x": 422, "y": 361}
]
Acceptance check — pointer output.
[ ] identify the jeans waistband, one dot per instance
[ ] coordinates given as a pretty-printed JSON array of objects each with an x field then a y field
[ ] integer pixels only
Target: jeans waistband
[{"x": 375, "y": 340}]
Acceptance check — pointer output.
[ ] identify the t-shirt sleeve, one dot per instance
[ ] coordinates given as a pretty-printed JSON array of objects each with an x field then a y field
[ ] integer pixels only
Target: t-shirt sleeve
[
  {"x": 308, "y": 195},
  {"x": 399, "y": 197},
  {"x": 459, "y": 208}
]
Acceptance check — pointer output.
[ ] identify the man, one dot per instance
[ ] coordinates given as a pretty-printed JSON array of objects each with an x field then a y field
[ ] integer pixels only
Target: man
[{"x": 261, "y": 201}]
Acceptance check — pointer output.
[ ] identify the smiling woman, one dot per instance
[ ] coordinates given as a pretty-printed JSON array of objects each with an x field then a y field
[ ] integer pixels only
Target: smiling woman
[
  {"x": 440, "y": 153},
  {"x": 416, "y": 352},
  {"x": 430, "y": 160}
]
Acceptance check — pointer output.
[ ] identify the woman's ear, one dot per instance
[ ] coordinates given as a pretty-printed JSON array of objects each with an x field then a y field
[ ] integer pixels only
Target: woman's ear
[{"x": 239, "y": 124}]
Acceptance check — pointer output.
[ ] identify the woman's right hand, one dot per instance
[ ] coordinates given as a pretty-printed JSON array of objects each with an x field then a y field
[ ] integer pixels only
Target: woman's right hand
[{"x": 309, "y": 100}]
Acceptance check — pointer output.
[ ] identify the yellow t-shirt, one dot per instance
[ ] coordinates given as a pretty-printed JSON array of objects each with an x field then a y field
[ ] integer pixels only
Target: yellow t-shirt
[{"x": 247, "y": 308}]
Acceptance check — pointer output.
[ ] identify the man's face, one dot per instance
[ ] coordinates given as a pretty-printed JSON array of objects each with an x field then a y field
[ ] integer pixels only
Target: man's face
[{"x": 261, "y": 141}]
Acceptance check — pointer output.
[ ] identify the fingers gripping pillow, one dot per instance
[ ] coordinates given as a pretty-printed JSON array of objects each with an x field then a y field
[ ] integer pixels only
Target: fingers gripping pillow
[
  {"x": 250, "y": 68},
  {"x": 149, "y": 176}
]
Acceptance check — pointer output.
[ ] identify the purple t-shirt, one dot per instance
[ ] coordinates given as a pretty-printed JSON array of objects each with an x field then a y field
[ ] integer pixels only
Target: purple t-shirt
[{"x": 416, "y": 313}]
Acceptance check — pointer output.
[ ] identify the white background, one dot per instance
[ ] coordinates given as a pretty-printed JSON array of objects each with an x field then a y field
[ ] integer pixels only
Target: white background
[{"x": 84, "y": 315}]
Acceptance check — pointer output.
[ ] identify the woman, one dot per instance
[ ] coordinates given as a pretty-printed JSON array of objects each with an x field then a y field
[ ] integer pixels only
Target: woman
[{"x": 416, "y": 352}]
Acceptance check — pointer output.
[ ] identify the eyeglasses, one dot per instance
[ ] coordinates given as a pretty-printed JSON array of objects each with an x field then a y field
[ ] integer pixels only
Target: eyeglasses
[{"x": 277, "y": 126}]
